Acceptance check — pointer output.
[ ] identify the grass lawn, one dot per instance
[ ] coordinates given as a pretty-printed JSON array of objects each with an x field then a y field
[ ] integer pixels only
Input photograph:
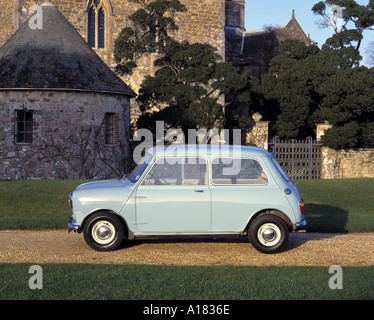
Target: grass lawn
[
  {"x": 35, "y": 204},
  {"x": 344, "y": 205},
  {"x": 146, "y": 282}
]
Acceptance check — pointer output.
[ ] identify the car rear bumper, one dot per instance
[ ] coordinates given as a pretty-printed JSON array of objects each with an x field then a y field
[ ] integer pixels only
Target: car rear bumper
[{"x": 299, "y": 225}]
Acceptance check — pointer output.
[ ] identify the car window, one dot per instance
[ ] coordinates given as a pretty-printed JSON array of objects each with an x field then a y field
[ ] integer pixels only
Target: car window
[
  {"x": 177, "y": 171},
  {"x": 237, "y": 171},
  {"x": 139, "y": 169},
  {"x": 279, "y": 168}
]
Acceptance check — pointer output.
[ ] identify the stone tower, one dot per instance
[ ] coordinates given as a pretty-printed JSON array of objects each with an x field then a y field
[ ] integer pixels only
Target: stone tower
[
  {"x": 235, "y": 10},
  {"x": 57, "y": 96}
]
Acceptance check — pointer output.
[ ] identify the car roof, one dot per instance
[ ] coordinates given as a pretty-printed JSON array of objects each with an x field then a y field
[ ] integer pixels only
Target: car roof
[{"x": 208, "y": 150}]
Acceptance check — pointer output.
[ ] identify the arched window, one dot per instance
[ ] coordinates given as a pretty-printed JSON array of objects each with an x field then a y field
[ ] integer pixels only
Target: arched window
[
  {"x": 96, "y": 24},
  {"x": 91, "y": 27},
  {"x": 101, "y": 28}
]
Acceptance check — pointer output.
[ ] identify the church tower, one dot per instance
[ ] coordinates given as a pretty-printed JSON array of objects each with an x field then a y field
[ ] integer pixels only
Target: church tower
[{"x": 235, "y": 10}]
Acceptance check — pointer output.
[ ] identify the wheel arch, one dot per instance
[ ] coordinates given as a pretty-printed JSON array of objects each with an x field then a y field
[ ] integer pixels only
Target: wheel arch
[
  {"x": 121, "y": 219},
  {"x": 274, "y": 212}
]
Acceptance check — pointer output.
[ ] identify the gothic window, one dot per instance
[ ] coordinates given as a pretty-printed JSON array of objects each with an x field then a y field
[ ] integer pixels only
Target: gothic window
[
  {"x": 91, "y": 27},
  {"x": 101, "y": 28},
  {"x": 96, "y": 24},
  {"x": 24, "y": 126}
]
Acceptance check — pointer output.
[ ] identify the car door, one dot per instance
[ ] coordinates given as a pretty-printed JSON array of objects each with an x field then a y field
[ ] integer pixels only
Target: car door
[
  {"x": 174, "y": 197},
  {"x": 240, "y": 188}
]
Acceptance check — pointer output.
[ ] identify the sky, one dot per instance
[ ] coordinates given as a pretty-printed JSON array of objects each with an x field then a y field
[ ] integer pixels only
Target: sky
[{"x": 277, "y": 13}]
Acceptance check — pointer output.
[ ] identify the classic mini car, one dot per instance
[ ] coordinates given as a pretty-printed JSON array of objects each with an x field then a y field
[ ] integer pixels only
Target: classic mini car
[{"x": 192, "y": 190}]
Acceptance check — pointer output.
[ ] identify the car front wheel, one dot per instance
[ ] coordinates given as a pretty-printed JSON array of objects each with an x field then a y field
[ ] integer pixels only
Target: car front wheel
[
  {"x": 268, "y": 234},
  {"x": 103, "y": 231}
]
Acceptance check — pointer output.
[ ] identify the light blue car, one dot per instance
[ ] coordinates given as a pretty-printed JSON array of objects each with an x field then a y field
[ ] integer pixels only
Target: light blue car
[{"x": 192, "y": 190}]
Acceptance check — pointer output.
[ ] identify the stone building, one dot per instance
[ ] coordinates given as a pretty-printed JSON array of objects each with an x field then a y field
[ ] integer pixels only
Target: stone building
[
  {"x": 63, "y": 112},
  {"x": 99, "y": 22},
  {"x": 251, "y": 51}
]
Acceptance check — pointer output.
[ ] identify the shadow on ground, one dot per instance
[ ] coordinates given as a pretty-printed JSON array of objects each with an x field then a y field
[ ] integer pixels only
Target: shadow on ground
[{"x": 325, "y": 218}]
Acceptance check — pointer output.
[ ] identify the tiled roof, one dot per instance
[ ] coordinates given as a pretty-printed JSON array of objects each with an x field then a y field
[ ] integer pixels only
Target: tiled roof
[{"x": 55, "y": 57}]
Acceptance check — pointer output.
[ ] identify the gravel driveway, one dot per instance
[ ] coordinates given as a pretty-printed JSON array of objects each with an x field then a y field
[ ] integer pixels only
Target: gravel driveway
[{"x": 303, "y": 249}]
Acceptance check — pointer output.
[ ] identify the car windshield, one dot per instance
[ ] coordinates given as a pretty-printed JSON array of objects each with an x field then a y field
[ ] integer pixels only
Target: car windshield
[
  {"x": 139, "y": 169},
  {"x": 283, "y": 174}
]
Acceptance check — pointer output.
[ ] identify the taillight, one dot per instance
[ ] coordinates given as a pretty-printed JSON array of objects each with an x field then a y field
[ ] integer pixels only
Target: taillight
[{"x": 301, "y": 203}]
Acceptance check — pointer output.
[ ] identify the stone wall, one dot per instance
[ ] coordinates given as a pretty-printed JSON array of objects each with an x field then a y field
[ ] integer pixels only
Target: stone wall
[
  {"x": 68, "y": 135},
  {"x": 235, "y": 13},
  {"x": 346, "y": 163},
  {"x": 203, "y": 22},
  {"x": 350, "y": 163},
  {"x": 7, "y": 20}
]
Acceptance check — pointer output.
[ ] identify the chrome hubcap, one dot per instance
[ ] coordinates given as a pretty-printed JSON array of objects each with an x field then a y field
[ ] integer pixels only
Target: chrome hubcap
[
  {"x": 269, "y": 234},
  {"x": 103, "y": 232}
]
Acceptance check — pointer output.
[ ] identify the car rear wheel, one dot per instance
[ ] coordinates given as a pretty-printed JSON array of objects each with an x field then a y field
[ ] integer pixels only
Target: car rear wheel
[
  {"x": 103, "y": 231},
  {"x": 268, "y": 234}
]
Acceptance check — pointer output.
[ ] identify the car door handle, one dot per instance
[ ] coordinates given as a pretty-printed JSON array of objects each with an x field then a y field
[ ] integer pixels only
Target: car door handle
[{"x": 199, "y": 190}]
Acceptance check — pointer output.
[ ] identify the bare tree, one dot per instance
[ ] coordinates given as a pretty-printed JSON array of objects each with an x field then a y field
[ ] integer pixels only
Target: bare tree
[{"x": 82, "y": 153}]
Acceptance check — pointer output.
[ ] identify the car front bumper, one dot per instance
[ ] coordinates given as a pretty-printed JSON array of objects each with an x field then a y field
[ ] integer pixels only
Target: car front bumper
[{"x": 72, "y": 226}]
